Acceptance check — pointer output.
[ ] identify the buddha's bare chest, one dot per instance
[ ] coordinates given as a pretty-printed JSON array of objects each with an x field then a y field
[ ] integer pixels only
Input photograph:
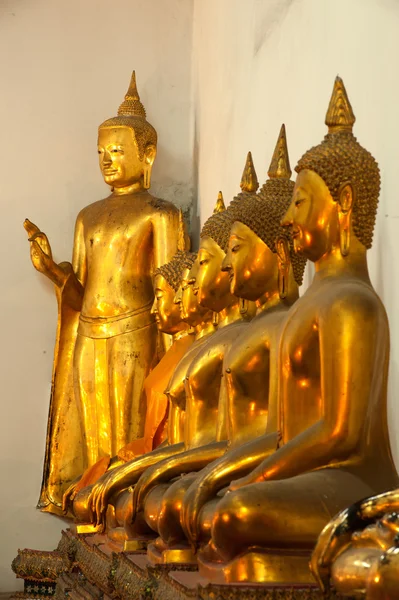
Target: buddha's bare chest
[
  {"x": 300, "y": 347},
  {"x": 116, "y": 228}
]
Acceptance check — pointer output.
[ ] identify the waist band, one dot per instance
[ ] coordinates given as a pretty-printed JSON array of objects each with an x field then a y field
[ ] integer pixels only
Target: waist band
[{"x": 106, "y": 327}]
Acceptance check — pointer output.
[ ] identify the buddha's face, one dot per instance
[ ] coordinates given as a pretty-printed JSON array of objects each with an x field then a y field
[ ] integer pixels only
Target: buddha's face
[
  {"x": 190, "y": 310},
  {"x": 119, "y": 158},
  {"x": 312, "y": 216},
  {"x": 167, "y": 313},
  {"x": 250, "y": 263},
  {"x": 212, "y": 284}
]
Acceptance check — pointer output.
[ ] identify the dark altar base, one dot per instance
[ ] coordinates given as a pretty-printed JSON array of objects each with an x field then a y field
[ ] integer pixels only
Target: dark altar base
[{"x": 88, "y": 567}]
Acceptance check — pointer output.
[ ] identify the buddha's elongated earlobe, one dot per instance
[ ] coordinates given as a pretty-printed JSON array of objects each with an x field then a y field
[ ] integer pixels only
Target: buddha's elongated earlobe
[
  {"x": 243, "y": 306},
  {"x": 283, "y": 262},
  {"x": 345, "y": 204},
  {"x": 147, "y": 177},
  {"x": 149, "y": 157}
]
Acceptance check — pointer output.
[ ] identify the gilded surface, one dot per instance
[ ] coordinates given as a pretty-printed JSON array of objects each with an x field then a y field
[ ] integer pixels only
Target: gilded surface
[
  {"x": 333, "y": 366},
  {"x": 106, "y": 337}
]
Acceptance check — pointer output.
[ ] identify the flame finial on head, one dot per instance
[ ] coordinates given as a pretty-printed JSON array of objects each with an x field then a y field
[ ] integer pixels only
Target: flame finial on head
[
  {"x": 132, "y": 105},
  {"x": 249, "y": 180},
  {"x": 339, "y": 115},
  {"x": 219, "y": 206},
  {"x": 280, "y": 165}
]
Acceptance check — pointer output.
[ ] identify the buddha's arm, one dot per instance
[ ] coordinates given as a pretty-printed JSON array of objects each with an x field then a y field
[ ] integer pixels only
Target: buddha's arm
[
  {"x": 165, "y": 235},
  {"x": 175, "y": 423},
  {"x": 186, "y": 462},
  {"x": 124, "y": 476},
  {"x": 352, "y": 339},
  {"x": 218, "y": 474}
]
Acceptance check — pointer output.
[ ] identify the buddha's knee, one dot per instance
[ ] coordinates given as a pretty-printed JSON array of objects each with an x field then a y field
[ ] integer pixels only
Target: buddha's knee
[
  {"x": 230, "y": 524},
  {"x": 169, "y": 527},
  {"x": 152, "y": 505},
  {"x": 80, "y": 507},
  {"x": 123, "y": 505},
  {"x": 206, "y": 519}
]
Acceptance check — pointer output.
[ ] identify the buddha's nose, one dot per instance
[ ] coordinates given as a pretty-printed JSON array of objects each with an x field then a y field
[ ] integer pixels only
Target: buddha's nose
[{"x": 288, "y": 218}]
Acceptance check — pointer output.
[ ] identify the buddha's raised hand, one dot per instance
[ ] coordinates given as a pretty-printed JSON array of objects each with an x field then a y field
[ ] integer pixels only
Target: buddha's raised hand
[{"x": 40, "y": 252}]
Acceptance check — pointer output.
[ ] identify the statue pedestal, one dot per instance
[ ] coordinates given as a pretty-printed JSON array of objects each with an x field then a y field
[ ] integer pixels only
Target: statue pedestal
[{"x": 90, "y": 567}]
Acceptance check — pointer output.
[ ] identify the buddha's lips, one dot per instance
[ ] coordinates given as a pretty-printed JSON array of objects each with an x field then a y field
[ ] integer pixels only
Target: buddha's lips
[{"x": 295, "y": 233}]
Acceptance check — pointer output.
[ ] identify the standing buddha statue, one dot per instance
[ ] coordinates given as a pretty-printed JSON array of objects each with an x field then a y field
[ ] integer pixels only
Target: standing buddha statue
[
  {"x": 91, "y": 503},
  {"x": 107, "y": 337},
  {"x": 333, "y": 364}
]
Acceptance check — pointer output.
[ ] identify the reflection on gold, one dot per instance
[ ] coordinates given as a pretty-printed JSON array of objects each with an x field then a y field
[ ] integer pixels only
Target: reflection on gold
[{"x": 333, "y": 445}]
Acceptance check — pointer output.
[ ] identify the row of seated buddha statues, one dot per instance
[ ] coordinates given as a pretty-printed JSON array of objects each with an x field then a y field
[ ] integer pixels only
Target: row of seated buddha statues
[{"x": 267, "y": 414}]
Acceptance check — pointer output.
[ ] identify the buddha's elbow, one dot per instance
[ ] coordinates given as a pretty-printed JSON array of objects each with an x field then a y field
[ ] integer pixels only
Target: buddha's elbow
[{"x": 342, "y": 443}]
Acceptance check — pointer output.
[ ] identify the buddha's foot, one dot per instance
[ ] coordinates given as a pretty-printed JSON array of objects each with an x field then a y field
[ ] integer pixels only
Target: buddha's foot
[
  {"x": 159, "y": 553},
  {"x": 261, "y": 566}
]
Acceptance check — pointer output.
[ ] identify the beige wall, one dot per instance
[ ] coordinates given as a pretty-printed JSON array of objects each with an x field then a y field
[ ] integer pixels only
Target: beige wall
[{"x": 64, "y": 68}]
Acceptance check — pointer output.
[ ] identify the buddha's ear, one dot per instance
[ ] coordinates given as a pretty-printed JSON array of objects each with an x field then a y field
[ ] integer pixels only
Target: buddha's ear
[
  {"x": 346, "y": 197},
  {"x": 283, "y": 251},
  {"x": 150, "y": 153},
  {"x": 283, "y": 262},
  {"x": 346, "y": 200}
]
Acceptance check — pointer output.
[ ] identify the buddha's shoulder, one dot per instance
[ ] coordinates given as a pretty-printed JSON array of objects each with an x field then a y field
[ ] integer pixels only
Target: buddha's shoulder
[
  {"x": 158, "y": 206},
  {"x": 90, "y": 209},
  {"x": 351, "y": 297}
]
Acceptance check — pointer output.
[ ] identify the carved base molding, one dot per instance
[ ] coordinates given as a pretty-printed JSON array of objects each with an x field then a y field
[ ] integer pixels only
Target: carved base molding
[{"x": 88, "y": 567}]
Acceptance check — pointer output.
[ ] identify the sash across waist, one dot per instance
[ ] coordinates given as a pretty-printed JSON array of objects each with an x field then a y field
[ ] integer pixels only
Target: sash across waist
[{"x": 106, "y": 327}]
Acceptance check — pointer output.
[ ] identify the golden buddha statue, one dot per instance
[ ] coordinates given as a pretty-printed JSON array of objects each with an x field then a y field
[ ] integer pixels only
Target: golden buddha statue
[
  {"x": 107, "y": 337},
  {"x": 333, "y": 443},
  {"x": 358, "y": 550},
  {"x": 204, "y": 440},
  {"x": 91, "y": 503},
  {"x": 258, "y": 263},
  {"x": 213, "y": 290}
]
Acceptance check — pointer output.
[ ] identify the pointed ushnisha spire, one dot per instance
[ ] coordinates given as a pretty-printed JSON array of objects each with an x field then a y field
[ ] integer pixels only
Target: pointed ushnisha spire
[
  {"x": 219, "y": 206},
  {"x": 249, "y": 181},
  {"x": 181, "y": 234},
  {"x": 280, "y": 165},
  {"x": 339, "y": 115},
  {"x": 132, "y": 106}
]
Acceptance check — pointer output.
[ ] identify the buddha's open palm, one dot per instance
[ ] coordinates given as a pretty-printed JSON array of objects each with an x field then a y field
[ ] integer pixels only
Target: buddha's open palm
[{"x": 40, "y": 249}]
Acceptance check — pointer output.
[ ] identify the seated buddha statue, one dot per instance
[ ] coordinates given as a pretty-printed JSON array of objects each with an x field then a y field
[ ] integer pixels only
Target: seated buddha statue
[
  {"x": 357, "y": 553},
  {"x": 106, "y": 337},
  {"x": 259, "y": 266},
  {"x": 333, "y": 446},
  {"x": 92, "y": 500},
  {"x": 213, "y": 290}
]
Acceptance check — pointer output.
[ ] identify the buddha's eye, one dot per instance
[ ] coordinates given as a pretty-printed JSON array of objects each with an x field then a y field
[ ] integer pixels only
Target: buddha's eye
[
  {"x": 235, "y": 248},
  {"x": 203, "y": 262},
  {"x": 298, "y": 202},
  {"x": 115, "y": 150}
]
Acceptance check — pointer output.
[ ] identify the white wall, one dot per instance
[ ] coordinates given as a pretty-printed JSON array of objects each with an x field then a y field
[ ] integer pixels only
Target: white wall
[
  {"x": 259, "y": 63},
  {"x": 65, "y": 67}
]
